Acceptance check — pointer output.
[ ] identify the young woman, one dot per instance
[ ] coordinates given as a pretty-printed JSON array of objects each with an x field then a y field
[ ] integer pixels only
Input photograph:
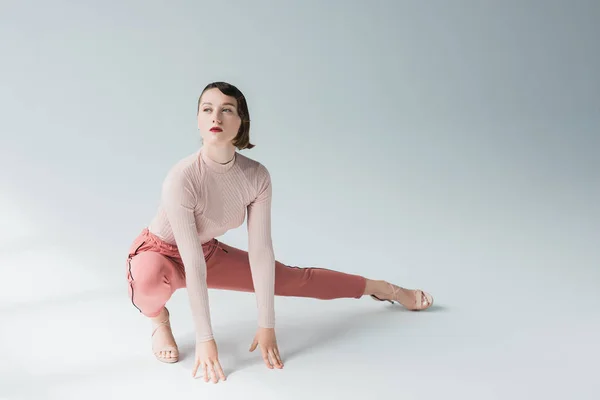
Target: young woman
[{"x": 204, "y": 195}]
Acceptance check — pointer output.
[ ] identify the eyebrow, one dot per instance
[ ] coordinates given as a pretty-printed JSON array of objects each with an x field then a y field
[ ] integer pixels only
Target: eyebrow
[{"x": 225, "y": 104}]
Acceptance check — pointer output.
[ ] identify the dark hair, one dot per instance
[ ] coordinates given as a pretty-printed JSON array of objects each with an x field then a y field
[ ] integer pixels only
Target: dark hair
[{"x": 242, "y": 139}]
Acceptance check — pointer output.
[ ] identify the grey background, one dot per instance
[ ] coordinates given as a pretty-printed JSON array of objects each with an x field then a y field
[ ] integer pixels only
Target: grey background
[{"x": 449, "y": 146}]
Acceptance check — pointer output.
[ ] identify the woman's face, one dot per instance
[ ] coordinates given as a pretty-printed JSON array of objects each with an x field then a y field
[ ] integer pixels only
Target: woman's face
[{"x": 218, "y": 119}]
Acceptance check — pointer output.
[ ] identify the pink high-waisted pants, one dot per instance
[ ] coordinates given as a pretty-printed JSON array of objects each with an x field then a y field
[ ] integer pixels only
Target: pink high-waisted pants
[{"x": 155, "y": 270}]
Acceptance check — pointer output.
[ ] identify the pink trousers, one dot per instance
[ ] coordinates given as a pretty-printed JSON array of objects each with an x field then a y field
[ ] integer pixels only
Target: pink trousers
[{"x": 155, "y": 271}]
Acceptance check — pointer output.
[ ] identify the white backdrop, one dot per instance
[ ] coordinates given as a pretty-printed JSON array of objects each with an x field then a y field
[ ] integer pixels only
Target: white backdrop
[{"x": 451, "y": 146}]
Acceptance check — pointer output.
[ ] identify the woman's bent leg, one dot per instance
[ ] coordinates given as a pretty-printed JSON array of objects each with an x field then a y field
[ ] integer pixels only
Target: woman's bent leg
[
  {"x": 152, "y": 278},
  {"x": 229, "y": 268}
]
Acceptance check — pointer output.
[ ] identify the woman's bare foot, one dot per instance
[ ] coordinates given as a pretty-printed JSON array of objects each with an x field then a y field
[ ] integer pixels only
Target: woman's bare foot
[
  {"x": 163, "y": 342},
  {"x": 411, "y": 299}
]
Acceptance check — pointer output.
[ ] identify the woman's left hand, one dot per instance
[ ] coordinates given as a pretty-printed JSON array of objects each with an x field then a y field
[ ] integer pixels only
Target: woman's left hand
[{"x": 265, "y": 337}]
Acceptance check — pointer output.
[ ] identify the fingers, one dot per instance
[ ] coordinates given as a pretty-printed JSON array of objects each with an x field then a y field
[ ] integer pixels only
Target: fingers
[
  {"x": 195, "y": 369},
  {"x": 277, "y": 358},
  {"x": 265, "y": 356},
  {"x": 211, "y": 371},
  {"x": 270, "y": 353},
  {"x": 253, "y": 345},
  {"x": 272, "y": 359},
  {"x": 207, "y": 357},
  {"x": 211, "y": 368},
  {"x": 220, "y": 370},
  {"x": 205, "y": 372}
]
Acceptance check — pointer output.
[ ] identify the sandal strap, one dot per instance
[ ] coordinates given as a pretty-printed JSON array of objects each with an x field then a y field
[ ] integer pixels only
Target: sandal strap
[
  {"x": 419, "y": 302},
  {"x": 165, "y": 322},
  {"x": 419, "y": 297}
]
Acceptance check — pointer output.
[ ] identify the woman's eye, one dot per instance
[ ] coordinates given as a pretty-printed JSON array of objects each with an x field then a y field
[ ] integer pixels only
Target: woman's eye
[
  {"x": 227, "y": 109},
  {"x": 206, "y": 109}
]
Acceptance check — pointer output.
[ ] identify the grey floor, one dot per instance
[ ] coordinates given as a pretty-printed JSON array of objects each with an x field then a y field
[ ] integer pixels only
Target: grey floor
[{"x": 70, "y": 332}]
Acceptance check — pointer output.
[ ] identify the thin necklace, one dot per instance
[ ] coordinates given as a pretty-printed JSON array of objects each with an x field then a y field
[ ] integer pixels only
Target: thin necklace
[{"x": 227, "y": 161}]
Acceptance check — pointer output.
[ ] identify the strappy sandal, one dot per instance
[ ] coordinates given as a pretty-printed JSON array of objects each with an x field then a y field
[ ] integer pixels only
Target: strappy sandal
[
  {"x": 170, "y": 348},
  {"x": 426, "y": 298}
]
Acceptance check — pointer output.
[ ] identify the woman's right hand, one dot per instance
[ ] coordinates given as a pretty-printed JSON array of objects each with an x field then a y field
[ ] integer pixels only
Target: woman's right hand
[{"x": 207, "y": 357}]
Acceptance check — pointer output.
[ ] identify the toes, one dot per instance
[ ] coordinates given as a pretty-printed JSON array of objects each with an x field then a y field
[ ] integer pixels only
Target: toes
[
  {"x": 167, "y": 354},
  {"x": 171, "y": 354}
]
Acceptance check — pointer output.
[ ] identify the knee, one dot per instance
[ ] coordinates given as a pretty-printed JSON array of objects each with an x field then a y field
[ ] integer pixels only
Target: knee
[{"x": 148, "y": 271}]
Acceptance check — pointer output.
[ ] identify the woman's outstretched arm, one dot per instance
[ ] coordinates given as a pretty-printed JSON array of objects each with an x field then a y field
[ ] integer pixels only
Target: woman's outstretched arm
[
  {"x": 260, "y": 250},
  {"x": 180, "y": 199}
]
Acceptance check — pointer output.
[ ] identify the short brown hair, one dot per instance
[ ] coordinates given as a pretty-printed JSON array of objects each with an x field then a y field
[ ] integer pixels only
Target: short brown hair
[{"x": 242, "y": 139}]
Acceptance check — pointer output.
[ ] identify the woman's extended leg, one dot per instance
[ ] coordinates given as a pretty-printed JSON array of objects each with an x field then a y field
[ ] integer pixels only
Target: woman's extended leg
[{"x": 229, "y": 268}]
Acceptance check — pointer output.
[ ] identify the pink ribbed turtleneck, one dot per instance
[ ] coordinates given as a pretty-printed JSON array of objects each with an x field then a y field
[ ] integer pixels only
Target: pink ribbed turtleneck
[{"x": 201, "y": 200}]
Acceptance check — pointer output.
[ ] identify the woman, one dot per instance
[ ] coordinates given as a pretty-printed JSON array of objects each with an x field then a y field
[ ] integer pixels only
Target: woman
[{"x": 203, "y": 196}]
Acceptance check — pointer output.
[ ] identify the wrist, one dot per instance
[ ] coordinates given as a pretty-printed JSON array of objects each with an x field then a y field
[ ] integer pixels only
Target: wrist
[
  {"x": 204, "y": 338},
  {"x": 266, "y": 328}
]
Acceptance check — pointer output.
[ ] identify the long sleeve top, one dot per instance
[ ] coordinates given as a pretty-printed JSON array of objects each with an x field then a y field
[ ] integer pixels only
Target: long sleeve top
[{"x": 202, "y": 199}]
